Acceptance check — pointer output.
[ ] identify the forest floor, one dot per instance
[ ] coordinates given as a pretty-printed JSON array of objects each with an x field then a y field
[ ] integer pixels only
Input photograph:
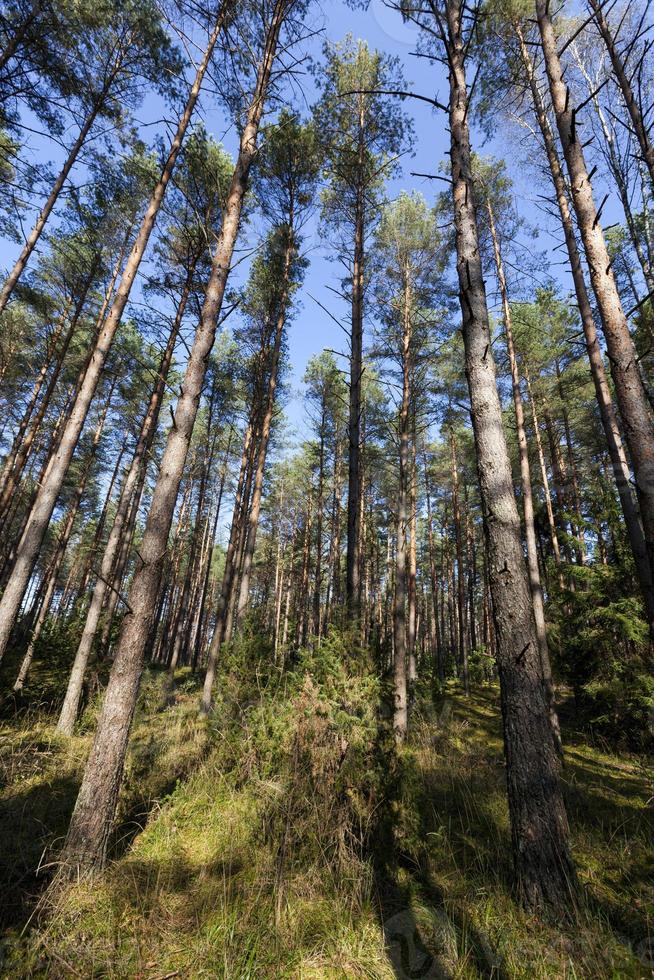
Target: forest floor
[{"x": 238, "y": 860}]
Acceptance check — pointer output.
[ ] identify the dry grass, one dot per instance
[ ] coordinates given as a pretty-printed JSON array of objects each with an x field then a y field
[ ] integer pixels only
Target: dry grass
[{"x": 235, "y": 876}]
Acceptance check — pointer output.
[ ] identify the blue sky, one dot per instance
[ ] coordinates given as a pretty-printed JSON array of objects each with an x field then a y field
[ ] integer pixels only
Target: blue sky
[{"x": 314, "y": 329}]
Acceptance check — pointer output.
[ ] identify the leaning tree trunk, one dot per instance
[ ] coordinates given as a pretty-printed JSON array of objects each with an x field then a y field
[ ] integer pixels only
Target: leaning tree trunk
[
  {"x": 632, "y": 398},
  {"x": 525, "y": 476},
  {"x": 46, "y": 498},
  {"x": 624, "y": 81},
  {"x": 40, "y": 223},
  {"x": 253, "y": 518},
  {"x": 14, "y": 473},
  {"x": 603, "y": 395},
  {"x": 69, "y": 709},
  {"x": 539, "y": 828},
  {"x": 86, "y": 844},
  {"x": 21, "y": 431},
  {"x": 60, "y": 551}
]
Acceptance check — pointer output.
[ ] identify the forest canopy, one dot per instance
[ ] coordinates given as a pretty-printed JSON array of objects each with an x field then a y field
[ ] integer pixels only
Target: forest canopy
[{"x": 326, "y": 488}]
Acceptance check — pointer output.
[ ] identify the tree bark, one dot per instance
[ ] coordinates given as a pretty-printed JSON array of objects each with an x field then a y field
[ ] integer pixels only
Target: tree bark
[
  {"x": 257, "y": 493},
  {"x": 460, "y": 571},
  {"x": 86, "y": 843},
  {"x": 543, "y": 865},
  {"x": 70, "y": 707},
  {"x": 353, "y": 574},
  {"x": 60, "y": 551},
  {"x": 400, "y": 707},
  {"x": 527, "y": 495},
  {"x": 46, "y": 498},
  {"x": 632, "y": 398}
]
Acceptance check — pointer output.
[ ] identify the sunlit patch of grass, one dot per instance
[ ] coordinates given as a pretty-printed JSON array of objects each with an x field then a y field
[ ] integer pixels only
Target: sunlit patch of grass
[
  {"x": 40, "y": 772},
  {"x": 463, "y": 848},
  {"x": 244, "y": 868}
]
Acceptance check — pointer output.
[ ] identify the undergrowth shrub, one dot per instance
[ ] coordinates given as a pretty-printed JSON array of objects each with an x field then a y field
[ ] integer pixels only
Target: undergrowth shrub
[
  {"x": 600, "y": 641},
  {"x": 310, "y": 737}
]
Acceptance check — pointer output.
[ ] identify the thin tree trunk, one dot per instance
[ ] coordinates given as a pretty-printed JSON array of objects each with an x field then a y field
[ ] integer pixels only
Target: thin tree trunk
[
  {"x": 400, "y": 708},
  {"x": 70, "y": 707},
  {"x": 460, "y": 571},
  {"x": 527, "y": 496},
  {"x": 632, "y": 399},
  {"x": 250, "y": 536},
  {"x": 14, "y": 474},
  {"x": 412, "y": 570},
  {"x": 223, "y": 475},
  {"x": 46, "y": 498},
  {"x": 317, "y": 584},
  {"x": 62, "y": 544},
  {"x": 353, "y": 580},
  {"x": 438, "y": 649},
  {"x": 228, "y": 577},
  {"x": 9, "y": 462},
  {"x": 36, "y": 232},
  {"x": 631, "y": 102}
]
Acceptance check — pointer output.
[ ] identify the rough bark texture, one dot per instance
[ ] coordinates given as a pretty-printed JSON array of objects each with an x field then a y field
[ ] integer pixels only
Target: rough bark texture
[
  {"x": 86, "y": 843},
  {"x": 632, "y": 399},
  {"x": 544, "y": 871},
  {"x": 603, "y": 395},
  {"x": 32, "y": 538},
  {"x": 525, "y": 477},
  {"x": 70, "y": 707}
]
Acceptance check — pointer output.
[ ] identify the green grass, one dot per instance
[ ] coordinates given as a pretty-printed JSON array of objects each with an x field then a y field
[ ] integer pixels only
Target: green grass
[{"x": 233, "y": 861}]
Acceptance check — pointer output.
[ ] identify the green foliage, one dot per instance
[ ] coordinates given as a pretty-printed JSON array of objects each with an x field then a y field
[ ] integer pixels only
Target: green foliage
[{"x": 600, "y": 640}]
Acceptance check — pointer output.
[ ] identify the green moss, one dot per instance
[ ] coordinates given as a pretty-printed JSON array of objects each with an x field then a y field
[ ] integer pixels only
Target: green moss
[{"x": 287, "y": 838}]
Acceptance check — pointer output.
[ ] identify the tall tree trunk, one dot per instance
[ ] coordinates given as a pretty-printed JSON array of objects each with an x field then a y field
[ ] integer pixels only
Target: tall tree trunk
[
  {"x": 60, "y": 551},
  {"x": 228, "y": 576},
  {"x": 40, "y": 223},
  {"x": 199, "y": 639},
  {"x": 624, "y": 81},
  {"x": 353, "y": 577},
  {"x": 317, "y": 583},
  {"x": 525, "y": 476},
  {"x": 250, "y": 536},
  {"x": 334, "y": 583},
  {"x": 15, "y": 473},
  {"x": 412, "y": 568},
  {"x": 632, "y": 399},
  {"x": 9, "y": 462},
  {"x": 46, "y": 498},
  {"x": 69, "y": 709},
  {"x": 86, "y": 843},
  {"x": 544, "y": 869},
  {"x": 460, "y": 569},
  {"x": 438, "y": 647},
  {"x": 400, "y": 708},
  {"x": 551, "y": 523}
]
